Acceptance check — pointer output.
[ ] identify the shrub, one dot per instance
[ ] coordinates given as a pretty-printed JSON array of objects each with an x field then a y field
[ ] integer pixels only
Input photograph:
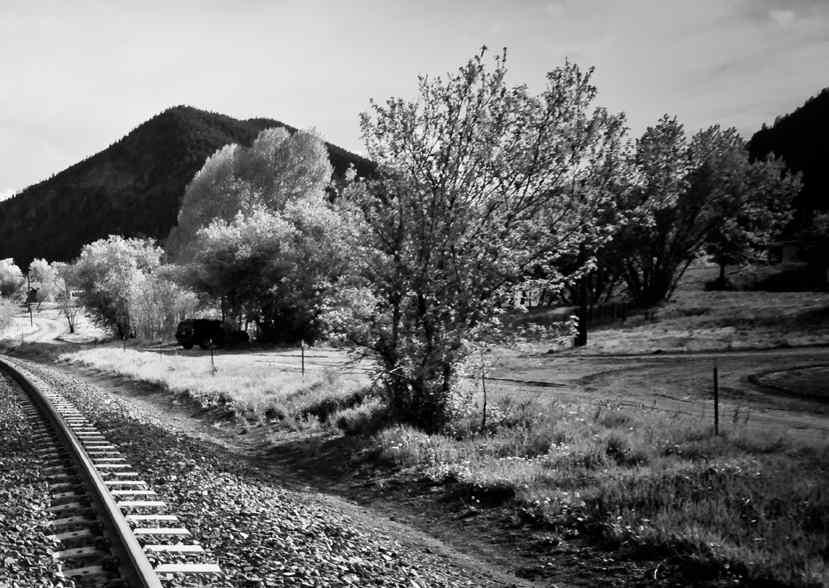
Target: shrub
[{"x": 365, "y": 418}]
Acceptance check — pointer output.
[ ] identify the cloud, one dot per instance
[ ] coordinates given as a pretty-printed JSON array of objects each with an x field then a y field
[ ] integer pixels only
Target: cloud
[{"x": 783, "y": 18}]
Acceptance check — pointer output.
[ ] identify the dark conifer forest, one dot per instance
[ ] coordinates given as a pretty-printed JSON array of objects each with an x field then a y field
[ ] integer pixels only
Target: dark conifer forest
[{"x": 801, "y": 138}]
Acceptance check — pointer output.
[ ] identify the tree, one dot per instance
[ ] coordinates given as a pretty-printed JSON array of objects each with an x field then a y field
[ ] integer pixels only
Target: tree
[
  {"x": 157, "y": 303},
  {"x": 106, "y": 272},
  {"x": 11, "y": 278},
  {"x": 689, "y": 194},
  {"x": 757, "y": 211},
  {"x": 482, "y": 187},
  {"x": 278, "y": 167},
  {"x": 65, "y": 282},
  {"x": 279, "y": 268},
  {"x": 43, "y": 280},
  {"x": 262, "y": 236}
]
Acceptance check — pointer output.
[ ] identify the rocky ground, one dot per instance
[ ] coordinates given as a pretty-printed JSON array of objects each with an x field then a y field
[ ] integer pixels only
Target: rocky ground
[
  {"x": 263, "y": 534},
  {"x": 25, "y": 549}
]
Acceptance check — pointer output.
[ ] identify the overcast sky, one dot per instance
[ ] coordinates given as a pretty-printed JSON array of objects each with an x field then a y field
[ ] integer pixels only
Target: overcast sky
[{"x": 76, "y": 76}]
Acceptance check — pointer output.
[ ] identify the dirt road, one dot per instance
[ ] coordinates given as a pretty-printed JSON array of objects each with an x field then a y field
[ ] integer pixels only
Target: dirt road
[{"x": 683, "y": 383}]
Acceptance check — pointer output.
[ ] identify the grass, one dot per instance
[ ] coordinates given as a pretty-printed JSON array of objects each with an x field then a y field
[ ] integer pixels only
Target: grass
[
  {"x": 650, "y": 483},
  {"x": 699, "y": 320},
  {"x": 248, "y": 392},
  {"x": 7, "y": 310},
  {"x": 805, "y": 381}
]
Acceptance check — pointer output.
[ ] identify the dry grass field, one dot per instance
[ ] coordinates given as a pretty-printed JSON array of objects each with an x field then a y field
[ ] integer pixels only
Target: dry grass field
[{"x": 251, "y": 386}]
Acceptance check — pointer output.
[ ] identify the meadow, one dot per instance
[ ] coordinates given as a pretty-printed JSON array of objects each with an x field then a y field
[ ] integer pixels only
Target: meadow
[
  {"x": 239, "y": 386},
  {"x": 652, "y": 484},
  {"x": 645, "y": 482}
]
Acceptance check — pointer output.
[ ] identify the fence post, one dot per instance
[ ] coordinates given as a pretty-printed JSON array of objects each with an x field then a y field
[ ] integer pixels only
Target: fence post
[
  {"x": 483, "y": 389},
  {"x": 716, "y": 399},
  {"x": 212, "y": 360}
]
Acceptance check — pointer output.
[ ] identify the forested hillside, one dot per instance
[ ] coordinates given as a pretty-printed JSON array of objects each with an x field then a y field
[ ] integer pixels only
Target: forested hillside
[
  {"x": 132, "y": 188},
  {"x": 801, "y": 138}
]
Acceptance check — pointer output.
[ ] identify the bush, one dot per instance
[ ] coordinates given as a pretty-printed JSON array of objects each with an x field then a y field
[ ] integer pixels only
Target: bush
[{"x": 365, "y": 418}]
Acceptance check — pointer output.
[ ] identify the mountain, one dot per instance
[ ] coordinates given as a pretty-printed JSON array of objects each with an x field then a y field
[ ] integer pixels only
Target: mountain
[
  {"x": 801, "y": 138},
  {"x": 132, "y": 188}
]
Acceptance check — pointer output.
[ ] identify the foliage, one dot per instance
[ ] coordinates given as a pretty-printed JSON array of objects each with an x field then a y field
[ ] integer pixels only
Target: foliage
[
  {"x": 44, "y": 280},
  {"x": 689, "y": 194},
  {"x": 11, "y": 278},
  {"x": 65, "y": 282},
  {"x": 132, "y": 188},
  {"x": 277, "y": 268},
  {"x": 107, "y": 272},
  {"x": 278, "y": 167},
  {"x": 815, "y": 240},
  {"x": 483, "y": 187},
  {"x": 752, "y": 214},
  {"x": 157, "y": 303},
  {"x": 264, "y": 238},
  {"x": 654, "y": 484},
  {"x": 801, "y": 140}
]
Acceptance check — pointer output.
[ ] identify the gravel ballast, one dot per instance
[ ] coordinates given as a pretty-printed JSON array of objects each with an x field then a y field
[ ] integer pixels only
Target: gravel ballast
[
  {"x": 25, "y": 548},
  {"x": 260, "y": 533}
]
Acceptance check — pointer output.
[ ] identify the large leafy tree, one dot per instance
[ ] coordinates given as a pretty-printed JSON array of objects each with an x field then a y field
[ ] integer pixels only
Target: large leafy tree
[
  {"x": 11, "y": 278},
  {"x": 690, "y": 194},
  {"x": 106, "y": 272},
  {"x": 43, "y": 280},
  {"x": 482, "y": 187},
  {"x": 277, "y": 268},
  {"x": 756, "y": 211},
  {"x": 263, "y": 237},
  {"x": 276, "y": 168}
]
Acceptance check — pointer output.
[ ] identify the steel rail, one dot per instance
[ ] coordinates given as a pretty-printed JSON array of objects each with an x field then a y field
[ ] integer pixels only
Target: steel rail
[{"x": 137, "y": 569}]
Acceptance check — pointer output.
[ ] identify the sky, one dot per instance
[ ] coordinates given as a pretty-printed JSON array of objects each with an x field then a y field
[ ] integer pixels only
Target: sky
[{"x": 77, "y": 76}]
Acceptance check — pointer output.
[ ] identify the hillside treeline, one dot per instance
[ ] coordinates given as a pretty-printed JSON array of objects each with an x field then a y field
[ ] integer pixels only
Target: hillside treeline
[{"x": 801, "y": 140}]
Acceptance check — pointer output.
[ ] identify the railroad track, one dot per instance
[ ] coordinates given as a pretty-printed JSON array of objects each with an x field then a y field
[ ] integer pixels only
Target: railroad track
[{"x": 111, "y": 528}]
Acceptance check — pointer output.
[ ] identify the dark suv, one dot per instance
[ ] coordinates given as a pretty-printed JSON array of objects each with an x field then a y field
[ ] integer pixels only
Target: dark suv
[{"x": 204, "y": 332}]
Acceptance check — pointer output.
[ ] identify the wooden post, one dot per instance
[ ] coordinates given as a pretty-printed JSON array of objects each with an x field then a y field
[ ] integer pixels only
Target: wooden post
[
  {"x": 716, "y": 399},
  {"x": 483, "y": 389},
  {"x": 213, "y": 369}
]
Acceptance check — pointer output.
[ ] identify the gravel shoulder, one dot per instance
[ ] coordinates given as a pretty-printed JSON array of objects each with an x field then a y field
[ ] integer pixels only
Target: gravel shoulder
[
  {"x": 263, "y": 533},
  {"x": 25, "y": 546}
]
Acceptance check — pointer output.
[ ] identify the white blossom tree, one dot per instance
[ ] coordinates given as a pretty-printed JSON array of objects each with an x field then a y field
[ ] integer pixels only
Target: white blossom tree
[
  {"x": 11, "y": 278},
  {"x": 483, "y": 187}
]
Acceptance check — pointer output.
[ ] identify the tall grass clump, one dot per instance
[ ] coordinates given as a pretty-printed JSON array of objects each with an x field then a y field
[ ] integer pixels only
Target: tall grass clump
[
  {"x": 651, "y": 483},
  {"x": 7, "y": 310},
  {"x": 238, "y": 386}
]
